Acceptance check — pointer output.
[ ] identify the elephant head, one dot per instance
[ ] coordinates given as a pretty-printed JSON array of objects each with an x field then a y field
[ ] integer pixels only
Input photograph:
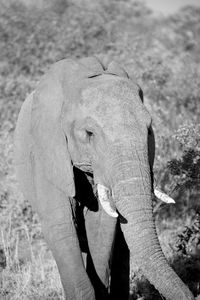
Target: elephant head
[{"x": 89, "y": 115}]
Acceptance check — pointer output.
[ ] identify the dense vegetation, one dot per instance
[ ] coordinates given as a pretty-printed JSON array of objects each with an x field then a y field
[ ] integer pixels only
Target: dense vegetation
[{"x": 162, "y": 54}]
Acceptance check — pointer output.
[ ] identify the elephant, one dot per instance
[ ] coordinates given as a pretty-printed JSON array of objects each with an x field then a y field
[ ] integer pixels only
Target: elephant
[{"x": 84, "y": 154}]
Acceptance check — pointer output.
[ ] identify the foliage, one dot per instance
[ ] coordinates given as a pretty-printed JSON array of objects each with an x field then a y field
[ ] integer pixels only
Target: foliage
[
  {"x": 186, "y": 170},
  {"x": 186, "y": 253},
  {"x": 188, "y": 242}
]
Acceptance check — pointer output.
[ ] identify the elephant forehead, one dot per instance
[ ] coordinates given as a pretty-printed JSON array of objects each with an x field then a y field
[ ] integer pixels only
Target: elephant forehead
[
  {"x": 110, "y": 86},
  {"x": 113, "y": 99}
]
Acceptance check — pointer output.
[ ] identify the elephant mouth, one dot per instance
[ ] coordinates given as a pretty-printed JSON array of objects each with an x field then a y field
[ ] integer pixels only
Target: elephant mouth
[
  {"x": 86, "y": 192},
  {"x": 101, "y": 194},
  {"x": 84, "y": 167}
]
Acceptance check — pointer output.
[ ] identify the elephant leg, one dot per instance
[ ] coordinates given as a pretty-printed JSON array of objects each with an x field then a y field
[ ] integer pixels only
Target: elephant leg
[
  {"x": 55, "y": 212},
  {"x": 120, "y": 268},
  {"x": 100, "y": 230},
  {"x": 101, "y": 291}
]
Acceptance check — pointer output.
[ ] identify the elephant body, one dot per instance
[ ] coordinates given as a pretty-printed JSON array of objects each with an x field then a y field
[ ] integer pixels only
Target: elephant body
[{"x": 84, "y": 152}]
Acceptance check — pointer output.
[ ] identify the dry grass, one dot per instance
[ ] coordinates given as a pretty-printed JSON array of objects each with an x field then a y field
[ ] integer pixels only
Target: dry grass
[{"x": 27, "y": 269}]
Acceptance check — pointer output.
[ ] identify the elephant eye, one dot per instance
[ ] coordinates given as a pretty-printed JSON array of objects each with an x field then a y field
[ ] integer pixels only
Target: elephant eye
[
  {"x": 90, "y": 134},
  {"x": 84, "y": 135}
]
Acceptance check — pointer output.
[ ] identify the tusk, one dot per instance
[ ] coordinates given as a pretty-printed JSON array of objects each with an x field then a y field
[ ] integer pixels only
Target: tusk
[
  {"x": 103, "y": 194},
  {"x": 163, "y": 197}
]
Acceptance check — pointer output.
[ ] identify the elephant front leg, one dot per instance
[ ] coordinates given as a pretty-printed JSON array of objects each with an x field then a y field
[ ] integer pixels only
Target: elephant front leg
[
  {"x": 55, "y": 213},
  {"x": 100, "y": 230}
]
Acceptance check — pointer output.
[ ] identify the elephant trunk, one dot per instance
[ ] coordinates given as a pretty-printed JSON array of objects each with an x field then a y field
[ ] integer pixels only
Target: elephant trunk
[{"x": 132, "y": 193}]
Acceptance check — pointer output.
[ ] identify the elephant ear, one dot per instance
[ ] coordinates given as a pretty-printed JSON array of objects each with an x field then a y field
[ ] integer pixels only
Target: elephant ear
[{"x": 49, "y": 140}]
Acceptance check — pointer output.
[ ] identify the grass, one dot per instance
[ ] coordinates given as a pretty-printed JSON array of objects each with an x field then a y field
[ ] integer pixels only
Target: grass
[
  {"x": 27, "y": 269},
  {"x": 31, "y": 273}
]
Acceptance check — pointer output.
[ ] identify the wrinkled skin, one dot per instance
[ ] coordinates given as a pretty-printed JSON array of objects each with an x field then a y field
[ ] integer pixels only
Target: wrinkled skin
[{"x": 84, "y": 126}]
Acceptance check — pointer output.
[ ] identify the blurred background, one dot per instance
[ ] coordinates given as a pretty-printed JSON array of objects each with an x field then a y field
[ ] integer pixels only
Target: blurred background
[{"x": 158, "y": 43}]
